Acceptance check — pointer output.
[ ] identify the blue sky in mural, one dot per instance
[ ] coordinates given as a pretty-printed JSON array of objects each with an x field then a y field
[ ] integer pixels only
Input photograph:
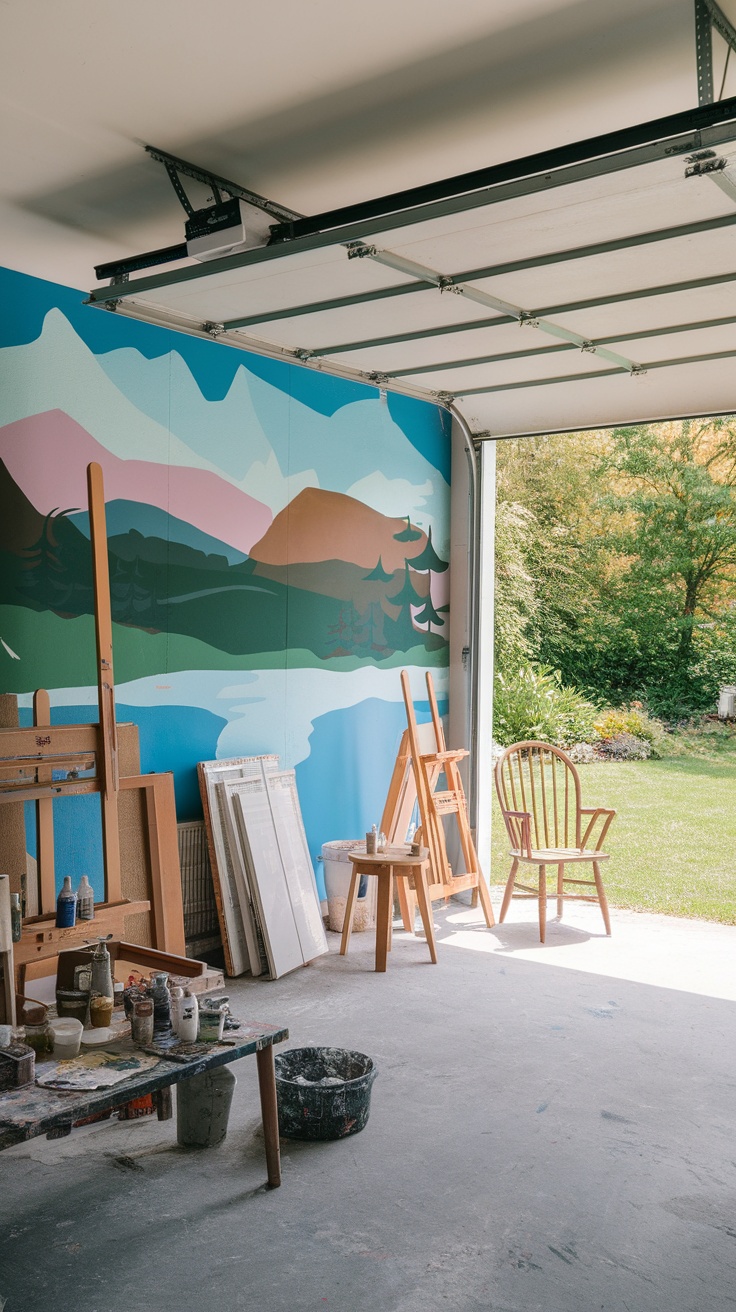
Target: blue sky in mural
[{"x": 214, "y": 366}]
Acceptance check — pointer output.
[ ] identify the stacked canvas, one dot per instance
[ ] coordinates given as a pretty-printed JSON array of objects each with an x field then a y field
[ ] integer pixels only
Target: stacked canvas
[{"x": 264, "y": 881}]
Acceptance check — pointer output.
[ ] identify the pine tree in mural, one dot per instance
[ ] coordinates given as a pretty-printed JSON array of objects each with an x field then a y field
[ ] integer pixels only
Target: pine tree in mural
[
  {"x": 378, "y": 575},
  {"x": 429, "y": 560},
  {"x": 130, "y": 594},
  {"x": 349, "y": 633},
  {"x": 48, "y": 581},
  {"x": 407, "y": 534},
  {"x": 429, "y": 616},
  {"x": 402, "y": 628}
]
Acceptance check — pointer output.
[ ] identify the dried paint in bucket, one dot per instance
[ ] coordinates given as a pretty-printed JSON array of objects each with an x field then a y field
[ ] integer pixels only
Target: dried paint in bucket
[{"x": 323, "y": 1093}]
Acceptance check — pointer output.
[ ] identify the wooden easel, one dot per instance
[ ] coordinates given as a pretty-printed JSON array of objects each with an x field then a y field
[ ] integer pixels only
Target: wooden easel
[
  {"x": 28, "y": 760},
  {"x": 415, "y": 778}
]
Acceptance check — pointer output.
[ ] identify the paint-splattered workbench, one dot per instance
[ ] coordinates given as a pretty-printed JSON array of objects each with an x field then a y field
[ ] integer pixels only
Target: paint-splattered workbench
[{"x": 32, "y": 1110}]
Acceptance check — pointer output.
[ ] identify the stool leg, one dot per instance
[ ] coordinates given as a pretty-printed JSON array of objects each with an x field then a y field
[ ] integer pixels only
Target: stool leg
[
  {"x": 425, "y": 910},
  {"x": 347, "y": 927},
  {"x": 406, "y": 907},
  {"x": 383, "y": 918}
]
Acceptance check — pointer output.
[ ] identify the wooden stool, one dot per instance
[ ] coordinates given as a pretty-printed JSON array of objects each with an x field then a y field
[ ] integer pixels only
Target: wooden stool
[{"x": 394, "y": 862}]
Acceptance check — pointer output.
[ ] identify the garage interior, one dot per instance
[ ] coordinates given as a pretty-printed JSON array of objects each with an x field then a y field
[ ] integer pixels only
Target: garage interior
[{"x": 522, "y": 218}]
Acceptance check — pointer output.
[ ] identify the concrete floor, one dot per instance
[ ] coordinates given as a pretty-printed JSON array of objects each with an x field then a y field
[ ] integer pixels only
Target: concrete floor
[{"x": 551, "y": 1129}]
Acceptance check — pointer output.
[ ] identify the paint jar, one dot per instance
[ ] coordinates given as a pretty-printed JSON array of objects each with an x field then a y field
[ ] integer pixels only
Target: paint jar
[
  {"x": 416, "y": 849},
  {"x": 176, "y": 999},
  {"x": 40, "y": 1038},
  {"x": 100, "y": 1011},
  {"x": 117, "y": 990},
  {"x": 67, "y": 1038},
  {"x": 211, "y": 1024},
  {"x": 142, "y": 1021},
  {"x": 73, "y": 1003},
  {"x": 371, "y": 840}
]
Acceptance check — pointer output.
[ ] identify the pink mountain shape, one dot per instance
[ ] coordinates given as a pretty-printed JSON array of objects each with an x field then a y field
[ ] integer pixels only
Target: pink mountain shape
[{"x": 47, "y": 455}]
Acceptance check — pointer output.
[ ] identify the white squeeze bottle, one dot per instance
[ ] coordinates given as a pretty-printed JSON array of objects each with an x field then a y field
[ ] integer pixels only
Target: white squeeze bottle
[
  {"x": 85, "y": 900},
  {"x": 188, "y": 1018},
  {"x": 177, "y": 996}
]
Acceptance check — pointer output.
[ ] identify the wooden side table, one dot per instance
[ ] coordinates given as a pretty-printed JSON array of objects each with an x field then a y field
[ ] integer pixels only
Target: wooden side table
[{"x": 395, "y": 862}]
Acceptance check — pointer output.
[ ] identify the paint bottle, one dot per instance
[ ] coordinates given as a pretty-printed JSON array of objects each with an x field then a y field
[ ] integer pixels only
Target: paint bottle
[
  {"x": 161, "y": 1002},
  {"x": 66, "y": 905},
  {"x": 101, "y": 982},
  {"x": 141, "y": 1025},
  {"x": 188, "y": 1018},
  {"x": 16, "y": 920},
  {"x": 177, "y": 995},
  {"x": 85, "y": 900},
  {"x": 371, "y": 842}
]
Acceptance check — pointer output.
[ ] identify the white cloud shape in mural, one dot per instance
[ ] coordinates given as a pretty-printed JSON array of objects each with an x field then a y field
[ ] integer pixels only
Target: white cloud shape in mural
[
  {"x": 267, "y": 710},
  {"x": 395, "y": 497}
]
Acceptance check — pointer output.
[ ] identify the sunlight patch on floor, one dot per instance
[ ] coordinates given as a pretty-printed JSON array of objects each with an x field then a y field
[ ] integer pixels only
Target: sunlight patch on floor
[{"x": 693, "y": 956}]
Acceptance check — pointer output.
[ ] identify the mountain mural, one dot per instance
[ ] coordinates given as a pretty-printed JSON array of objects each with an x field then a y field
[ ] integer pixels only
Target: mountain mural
[{"x": 278, "y": 547}]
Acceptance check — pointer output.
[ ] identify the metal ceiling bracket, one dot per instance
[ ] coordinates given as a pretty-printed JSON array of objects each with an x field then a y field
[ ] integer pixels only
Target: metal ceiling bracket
[
  {"x": 213, "y": 329},
  {"x": 709, "y": 17},
  {"x": 176, "y": 183},
  {"x": 183, "y": 167}
]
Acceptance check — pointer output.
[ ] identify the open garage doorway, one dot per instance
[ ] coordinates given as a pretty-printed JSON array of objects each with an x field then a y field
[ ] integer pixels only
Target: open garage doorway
[{"x": 615, "y": 638}]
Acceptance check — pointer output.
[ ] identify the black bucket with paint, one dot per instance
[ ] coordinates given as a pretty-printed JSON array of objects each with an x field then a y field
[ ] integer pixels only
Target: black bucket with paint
[{"x": 324, "y": 1093}]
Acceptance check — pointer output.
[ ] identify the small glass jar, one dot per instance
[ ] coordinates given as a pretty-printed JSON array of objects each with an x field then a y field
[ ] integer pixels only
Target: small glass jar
[
  {"x": 142, "y": 1022},
  {"x": 40, "y": 1038}
]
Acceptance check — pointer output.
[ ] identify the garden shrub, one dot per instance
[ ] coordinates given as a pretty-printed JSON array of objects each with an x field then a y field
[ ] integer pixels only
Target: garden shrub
[
  {"x": 534, "y": 703},
  {"x": 624, "y": 747},
  {"x": 634, "y": 722}
]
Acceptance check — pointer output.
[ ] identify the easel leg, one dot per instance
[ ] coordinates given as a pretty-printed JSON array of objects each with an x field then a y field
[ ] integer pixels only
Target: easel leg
[
  {"x": 425, "y": 910},
  {"x": 269, "y": 1113},
  {"x": 352, "y": 898},
  {"x": 485, "y": 901},
  {"x": 405, "y": 906}
]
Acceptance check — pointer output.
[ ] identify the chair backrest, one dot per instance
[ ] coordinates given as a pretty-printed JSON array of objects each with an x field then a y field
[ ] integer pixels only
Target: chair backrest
[{"x": 541, "y": 780}]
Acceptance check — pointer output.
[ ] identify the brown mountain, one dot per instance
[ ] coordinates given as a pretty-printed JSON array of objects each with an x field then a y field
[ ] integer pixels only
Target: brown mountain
[{"x": 320, "y": 526}]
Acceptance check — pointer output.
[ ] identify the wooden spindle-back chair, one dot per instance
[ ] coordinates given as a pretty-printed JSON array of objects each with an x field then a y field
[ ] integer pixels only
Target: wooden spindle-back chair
[{"x": 539, "y": 791}]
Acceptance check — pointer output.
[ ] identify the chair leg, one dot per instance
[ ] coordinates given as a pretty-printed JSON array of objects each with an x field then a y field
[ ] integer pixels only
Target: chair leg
[
  {"x": 542, "y": 903},
  {"x": 508, "y": 893},
  {"x": 347, "y": 926},
  {"x": 560, "y": 888},
  {"x": 602, "y": 896}
]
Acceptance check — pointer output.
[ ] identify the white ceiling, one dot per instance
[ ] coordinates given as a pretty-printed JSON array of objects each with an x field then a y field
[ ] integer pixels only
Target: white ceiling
[
  {"x": 323, "y": 104},
  {"x": 317, "y": 103}
]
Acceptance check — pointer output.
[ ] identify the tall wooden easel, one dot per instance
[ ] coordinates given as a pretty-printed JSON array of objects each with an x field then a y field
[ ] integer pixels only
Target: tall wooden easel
[
  {"x": 87, "y": 757},
  {"x": 415, "y": 777}
]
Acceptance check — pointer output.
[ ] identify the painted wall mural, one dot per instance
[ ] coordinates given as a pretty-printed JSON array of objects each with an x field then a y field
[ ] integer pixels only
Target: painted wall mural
[{"x": 278, "y": 541}]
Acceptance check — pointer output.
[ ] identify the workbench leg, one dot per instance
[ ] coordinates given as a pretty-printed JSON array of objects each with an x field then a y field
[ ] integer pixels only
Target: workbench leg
[
  {"x": 162, "y": 1101},
  {"x": 269, "y": 1113}
]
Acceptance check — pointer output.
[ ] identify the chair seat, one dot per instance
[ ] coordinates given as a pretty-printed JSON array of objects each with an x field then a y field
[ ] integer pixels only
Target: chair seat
[{"x": 553, "y": 856}]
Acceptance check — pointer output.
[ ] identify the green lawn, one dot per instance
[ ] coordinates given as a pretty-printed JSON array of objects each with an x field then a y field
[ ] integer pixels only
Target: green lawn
[{"x": 673, "y": 841}]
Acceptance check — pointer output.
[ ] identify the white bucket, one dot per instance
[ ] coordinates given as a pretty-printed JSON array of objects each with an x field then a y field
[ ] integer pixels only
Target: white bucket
[{"x": 338, "y": 870}]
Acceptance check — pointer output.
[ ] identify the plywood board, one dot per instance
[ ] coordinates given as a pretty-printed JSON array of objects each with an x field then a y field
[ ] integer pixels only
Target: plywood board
[
  {"x": 253, "y": 817},
  {"x": 239, "y": 865},
  {"x": 298, "y": 868},
  {"x": 211, "y": 773}
]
